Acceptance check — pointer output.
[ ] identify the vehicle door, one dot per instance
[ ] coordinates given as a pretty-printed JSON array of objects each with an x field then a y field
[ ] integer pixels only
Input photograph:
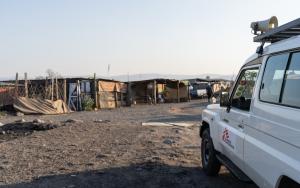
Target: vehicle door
[
  {"x": 272, "y": 142},
  {"x": 234, "y": 117}
]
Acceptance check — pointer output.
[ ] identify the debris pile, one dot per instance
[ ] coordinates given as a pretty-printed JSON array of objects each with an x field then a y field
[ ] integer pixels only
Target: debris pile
[{"x": 22, "y": 128}]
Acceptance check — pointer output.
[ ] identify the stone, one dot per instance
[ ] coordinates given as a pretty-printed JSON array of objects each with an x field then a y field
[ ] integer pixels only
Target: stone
[
  {"x": 38, "y": 121},
  {"x": 101, "y": 121},
  {"x": 74, "y": 121},
  {"x": 19, "y": 114},
  {"x": 168, "y": 141},
  {"x": 21, "y": 121}
]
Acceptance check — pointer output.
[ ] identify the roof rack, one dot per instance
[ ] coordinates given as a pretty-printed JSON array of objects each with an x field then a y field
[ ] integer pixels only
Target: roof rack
[{"x": 280, "y": 33}]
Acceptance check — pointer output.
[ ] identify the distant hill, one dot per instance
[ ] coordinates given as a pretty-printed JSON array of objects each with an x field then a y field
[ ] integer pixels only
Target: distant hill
[
  {"x": 136, "y": 77},
  {"x": 6, "y": 78}
]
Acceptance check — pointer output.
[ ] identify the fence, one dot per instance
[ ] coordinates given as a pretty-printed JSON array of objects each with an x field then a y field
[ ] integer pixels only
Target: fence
[
  {"x": 48, "y": 88},
  {"x": 6, "y": 94}
]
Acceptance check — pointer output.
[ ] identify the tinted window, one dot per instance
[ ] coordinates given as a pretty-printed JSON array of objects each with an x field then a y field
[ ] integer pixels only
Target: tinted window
[
  {"x": 244, "y": 89},
  {"x": 273, "y": 78},
  {"x": 291, "y": 90}
]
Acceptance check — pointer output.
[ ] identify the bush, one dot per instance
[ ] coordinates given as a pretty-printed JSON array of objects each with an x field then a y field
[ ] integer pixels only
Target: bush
[
  {"x": 87, "y": 103},
  {"x": 2, "y": 114}
]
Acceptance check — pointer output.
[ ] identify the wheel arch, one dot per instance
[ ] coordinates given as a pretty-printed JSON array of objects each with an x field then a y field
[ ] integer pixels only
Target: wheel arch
[
  {"x": 285, "y": 181},
  {"x": 205, "y": 125}
]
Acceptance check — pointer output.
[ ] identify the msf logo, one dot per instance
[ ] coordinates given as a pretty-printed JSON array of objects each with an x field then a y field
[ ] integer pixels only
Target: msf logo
[{"x": 226, "y": 138}]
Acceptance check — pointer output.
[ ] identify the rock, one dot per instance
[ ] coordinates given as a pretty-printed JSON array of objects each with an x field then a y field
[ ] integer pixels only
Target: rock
[
  {"x": 74, "y": 121},
  {"x": 44, "y": 127},
  {"x": 156, "y": 158},
  {"x": 1, "y": 124},
  {"x": 70, "y": 164},
  {"x": 3, "y": 132},
  {"x": 19, "y": 114},
  {"x": 38, "y": 121},
  {"x": 168, "y": 141},
  {"x": 101, "y": 121},
  {"x": 21, "y": 121},
  {"x": 89, "y": 164},
  {"x": 100, "y": 156}
]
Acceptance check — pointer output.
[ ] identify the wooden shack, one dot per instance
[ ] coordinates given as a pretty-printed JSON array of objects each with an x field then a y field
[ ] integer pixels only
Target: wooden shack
[
  {"x": 111, "y": 94},
  {"x": 158, "y": 91}
]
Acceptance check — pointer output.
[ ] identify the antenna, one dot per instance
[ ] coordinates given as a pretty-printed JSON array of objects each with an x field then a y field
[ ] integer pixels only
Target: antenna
[{"x": 108, "y": 70}]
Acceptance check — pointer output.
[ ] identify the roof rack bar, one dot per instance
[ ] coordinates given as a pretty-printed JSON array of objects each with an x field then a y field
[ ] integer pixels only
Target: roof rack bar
[{"x": 290, "y": 32}]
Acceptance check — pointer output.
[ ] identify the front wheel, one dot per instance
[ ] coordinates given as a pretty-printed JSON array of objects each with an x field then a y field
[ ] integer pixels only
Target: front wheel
[{"x": 210, "y": 163}]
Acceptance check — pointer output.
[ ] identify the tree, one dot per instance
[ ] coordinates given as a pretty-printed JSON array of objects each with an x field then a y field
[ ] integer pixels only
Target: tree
[{"x": 52, "y": 74}]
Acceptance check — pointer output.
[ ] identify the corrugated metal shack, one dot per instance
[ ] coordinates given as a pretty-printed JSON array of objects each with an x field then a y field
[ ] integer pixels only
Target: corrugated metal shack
[
  {"x": 158, "y": 91},
  {"x": 101, "y": 93},
  {"x": 105, "y": 93}
]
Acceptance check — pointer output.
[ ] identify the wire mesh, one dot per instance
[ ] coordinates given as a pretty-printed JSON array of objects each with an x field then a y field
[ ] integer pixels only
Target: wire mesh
[{"x": 51, "y": 89}]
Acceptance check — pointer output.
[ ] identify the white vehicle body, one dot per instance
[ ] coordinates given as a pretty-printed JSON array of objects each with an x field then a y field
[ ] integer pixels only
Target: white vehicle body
[
  {"x": 264, "y": 141},
  {"x": 201, "y": 92}
]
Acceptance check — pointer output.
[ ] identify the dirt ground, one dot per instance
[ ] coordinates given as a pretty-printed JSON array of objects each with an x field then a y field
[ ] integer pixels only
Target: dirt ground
[{"x": 107, "y": 148}]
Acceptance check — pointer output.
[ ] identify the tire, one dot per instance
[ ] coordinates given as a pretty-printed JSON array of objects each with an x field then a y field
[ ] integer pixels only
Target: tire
[{"x": 210, "y": 164}]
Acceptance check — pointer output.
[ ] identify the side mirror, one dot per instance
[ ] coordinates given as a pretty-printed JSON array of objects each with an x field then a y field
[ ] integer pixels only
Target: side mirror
[{"x": 224, "y": 99}]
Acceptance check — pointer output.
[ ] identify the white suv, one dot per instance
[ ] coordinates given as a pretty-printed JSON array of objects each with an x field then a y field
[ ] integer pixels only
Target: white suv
[{"x": 255, "y": 130}]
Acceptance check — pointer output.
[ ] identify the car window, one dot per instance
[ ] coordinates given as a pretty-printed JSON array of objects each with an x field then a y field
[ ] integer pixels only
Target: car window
[
  {"x": 244, "y": 89},
  {"x": 291, "y": 89},
  {"x": 273, "y": 78}
]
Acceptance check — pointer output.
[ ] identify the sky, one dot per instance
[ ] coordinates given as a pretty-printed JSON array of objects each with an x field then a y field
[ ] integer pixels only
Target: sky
[{"x": 80, "y": 37}]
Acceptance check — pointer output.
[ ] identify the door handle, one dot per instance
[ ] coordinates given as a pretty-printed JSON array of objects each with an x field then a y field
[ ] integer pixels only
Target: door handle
[{"x": 241, "y": 126}]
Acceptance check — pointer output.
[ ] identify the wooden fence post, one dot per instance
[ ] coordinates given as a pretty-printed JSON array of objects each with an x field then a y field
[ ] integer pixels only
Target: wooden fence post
[
  {"x": 189, "y": 93},
  {"x": 154, "y": 92},
  {"x": 56, "y": 89},
  {"x": 17, "y": 85},
  {"x": 46, "y": 88},
  {"x": 178, "y": 97},
  {"x": 52, "y": 88},
  {"x": 79, "y": 104},
  {"x": 116, "y": 98},
  {"x": 65, "y": 91},
  {"x": 26, "y": 85},
  {"x": 96, "y": 91}
]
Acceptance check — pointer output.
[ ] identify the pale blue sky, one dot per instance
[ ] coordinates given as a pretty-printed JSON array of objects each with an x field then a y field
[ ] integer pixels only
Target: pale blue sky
[{"x": 80, "y": 37}]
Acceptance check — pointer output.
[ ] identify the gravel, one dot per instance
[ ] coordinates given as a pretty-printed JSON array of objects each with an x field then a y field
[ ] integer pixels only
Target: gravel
[{"x": 117, "y": 153}]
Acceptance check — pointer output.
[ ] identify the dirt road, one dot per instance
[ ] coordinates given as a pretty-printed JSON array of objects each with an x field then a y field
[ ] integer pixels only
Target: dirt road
[{"x": 110, "y": 148}]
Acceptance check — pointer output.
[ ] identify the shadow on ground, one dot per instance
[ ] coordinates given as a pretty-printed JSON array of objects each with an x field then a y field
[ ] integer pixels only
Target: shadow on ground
[{"x": 139, "y": 175}]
